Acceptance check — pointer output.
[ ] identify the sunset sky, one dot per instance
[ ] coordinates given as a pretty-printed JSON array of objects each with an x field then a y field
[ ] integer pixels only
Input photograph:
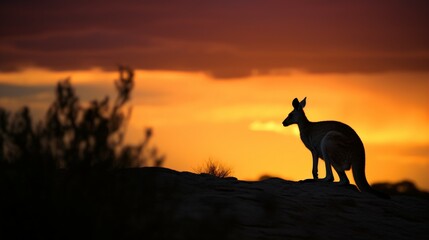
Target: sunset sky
[{"x": 215, "y": 79}]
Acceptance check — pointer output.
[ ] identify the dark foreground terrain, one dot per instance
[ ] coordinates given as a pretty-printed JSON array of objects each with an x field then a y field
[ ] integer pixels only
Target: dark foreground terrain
[{"x": 158, "y": 203}]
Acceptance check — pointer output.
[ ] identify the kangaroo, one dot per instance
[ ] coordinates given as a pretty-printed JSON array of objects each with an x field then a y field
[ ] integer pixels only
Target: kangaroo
[{"x": 334, "y": 142}]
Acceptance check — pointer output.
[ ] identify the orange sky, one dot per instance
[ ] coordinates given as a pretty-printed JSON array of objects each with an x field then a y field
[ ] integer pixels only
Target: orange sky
[
  {"x": 238, "y": 122},
  {"x": 216, "y": 78}
]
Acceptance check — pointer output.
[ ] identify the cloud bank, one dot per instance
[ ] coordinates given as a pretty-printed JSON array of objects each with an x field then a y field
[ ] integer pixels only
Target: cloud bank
[{"x": 223, "y": 38}]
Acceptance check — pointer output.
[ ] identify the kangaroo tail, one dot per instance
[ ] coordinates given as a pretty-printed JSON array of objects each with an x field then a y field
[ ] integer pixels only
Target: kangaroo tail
[{"x": 360, "y": 180}]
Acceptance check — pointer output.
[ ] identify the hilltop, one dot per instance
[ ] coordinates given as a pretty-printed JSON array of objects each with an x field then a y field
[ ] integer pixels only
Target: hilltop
[{"x": 159, "y": 203}]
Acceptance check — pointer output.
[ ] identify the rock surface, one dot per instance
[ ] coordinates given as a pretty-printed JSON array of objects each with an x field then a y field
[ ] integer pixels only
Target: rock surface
[{"x": 159, "y": 203}]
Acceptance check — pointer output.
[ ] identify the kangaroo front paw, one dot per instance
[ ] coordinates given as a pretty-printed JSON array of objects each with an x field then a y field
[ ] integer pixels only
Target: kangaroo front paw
[{"x": 315, "y": 175}]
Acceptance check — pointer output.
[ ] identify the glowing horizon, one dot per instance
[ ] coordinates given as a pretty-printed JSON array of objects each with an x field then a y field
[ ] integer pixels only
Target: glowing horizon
[{"x": 238, "y": 122}]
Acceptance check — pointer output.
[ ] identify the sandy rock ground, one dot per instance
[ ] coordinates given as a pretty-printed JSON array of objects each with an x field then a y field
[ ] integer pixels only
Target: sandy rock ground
[{"x": 159, "y": 203}]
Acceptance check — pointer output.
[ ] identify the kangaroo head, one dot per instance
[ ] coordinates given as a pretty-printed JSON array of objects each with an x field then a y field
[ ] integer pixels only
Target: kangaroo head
[{"x": 297, "y": 113}]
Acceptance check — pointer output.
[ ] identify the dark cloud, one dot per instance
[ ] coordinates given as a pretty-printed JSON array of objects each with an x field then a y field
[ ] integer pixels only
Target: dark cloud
[
  {"x": 85, "y": 91},
  {"x": 224, "y": 38},
  {"x": 9, "y": 90}
]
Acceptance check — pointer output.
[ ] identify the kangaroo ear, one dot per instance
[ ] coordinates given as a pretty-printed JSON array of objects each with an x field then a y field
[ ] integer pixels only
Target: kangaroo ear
[
  {"x": 303, "y": 102},
  {"x": 295, "y": 103}
]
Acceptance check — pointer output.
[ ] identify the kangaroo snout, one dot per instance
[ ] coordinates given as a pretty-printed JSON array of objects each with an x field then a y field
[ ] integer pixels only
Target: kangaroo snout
[{"x": 285, "y": 123}]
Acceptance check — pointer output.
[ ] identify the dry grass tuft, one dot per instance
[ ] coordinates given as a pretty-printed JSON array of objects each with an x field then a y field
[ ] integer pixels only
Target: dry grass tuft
[{"x": 215, "y": 168}]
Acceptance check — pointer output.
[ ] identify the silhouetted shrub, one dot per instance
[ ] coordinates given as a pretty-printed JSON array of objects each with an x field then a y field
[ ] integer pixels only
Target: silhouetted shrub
[
  {"x": 404, "y": 187},
  {"x": 215, "y": 169},
  {"x": 75, "y": 136}
]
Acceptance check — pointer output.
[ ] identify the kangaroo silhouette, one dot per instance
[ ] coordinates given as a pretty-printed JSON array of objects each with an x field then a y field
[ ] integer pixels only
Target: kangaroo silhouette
[{"x": 334, "y": 142}]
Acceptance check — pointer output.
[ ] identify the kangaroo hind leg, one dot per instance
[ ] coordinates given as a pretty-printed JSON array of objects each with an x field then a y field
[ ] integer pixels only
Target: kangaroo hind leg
[
  {"x": 334, "y": 151},
  {"x": 344, "y": 180},
  {"x": 335, "y": 146}
]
